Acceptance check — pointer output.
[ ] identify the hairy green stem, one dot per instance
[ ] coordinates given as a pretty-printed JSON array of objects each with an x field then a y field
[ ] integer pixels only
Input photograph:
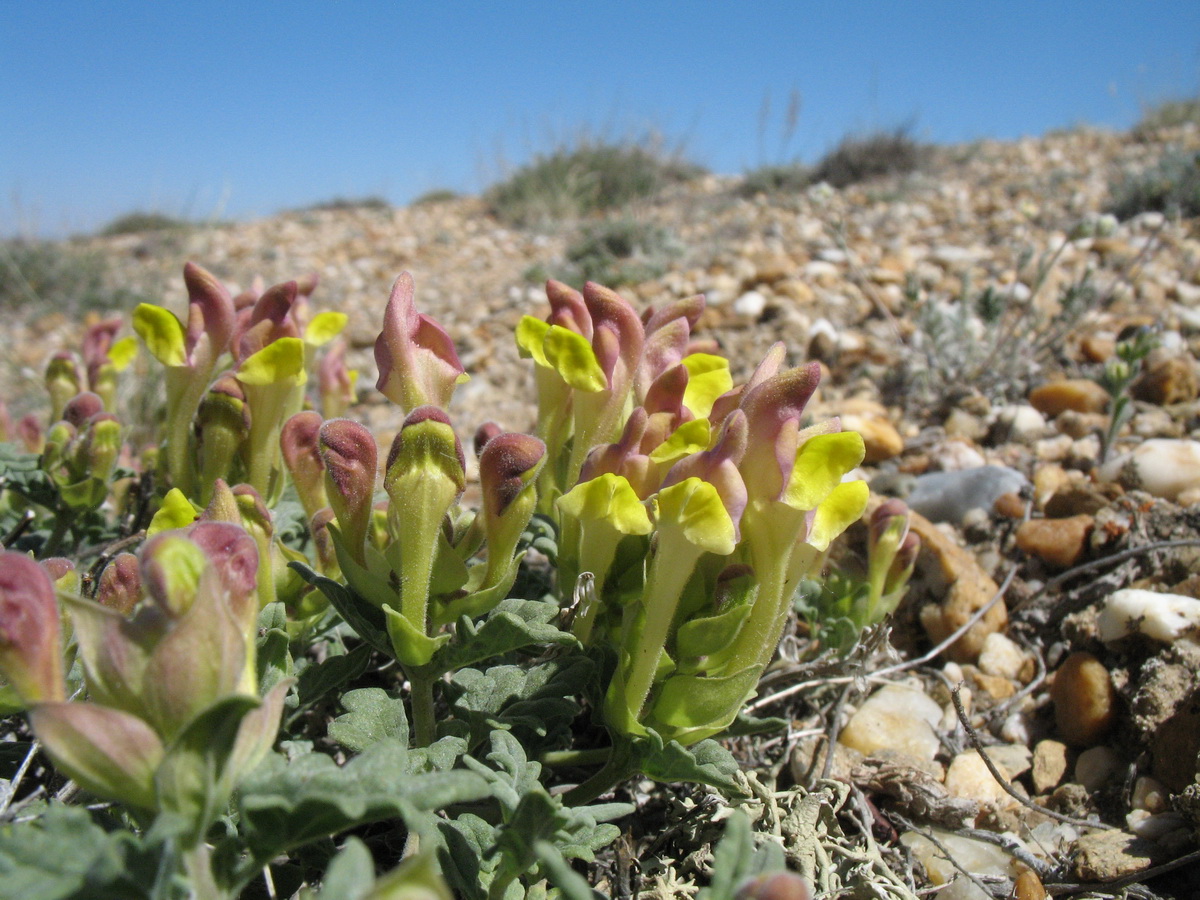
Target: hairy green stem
[{"x": 424, "y": 721}]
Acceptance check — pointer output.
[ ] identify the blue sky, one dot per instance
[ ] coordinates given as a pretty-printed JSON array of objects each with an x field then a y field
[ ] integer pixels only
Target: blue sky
[{"x": 238, "y": 109}]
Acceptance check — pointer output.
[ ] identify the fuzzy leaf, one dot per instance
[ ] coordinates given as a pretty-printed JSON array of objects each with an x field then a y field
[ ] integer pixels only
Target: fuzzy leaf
[
  {"x": 536, "y": 703},
  {"x": 513, "y": 625},
  {"x": 411, "y": 646},
  {"x": 367, "y": 620},
  {"x": 703, "y": 703},
  {"x": 371, "y": 715},
  {"x": 162, "y": 332},
  {"x": 273, "y": 656},
  {"x": 288, "y": 804},
  {"x": 320, "y": 678},
  {"x": 705, "y": 763},
  {"x": 709, "y": 635},
  {"x": 35, "y": 863}
]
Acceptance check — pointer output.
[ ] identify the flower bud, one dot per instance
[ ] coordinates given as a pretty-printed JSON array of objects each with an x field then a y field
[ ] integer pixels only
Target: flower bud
[
  {"x": 417, "y": 362},
  {"x": 300, "y": 443},
  {"x": 351, "y": 457},
  {"x": 30, "y": 656},
  {"x": 120, "y": 584}
]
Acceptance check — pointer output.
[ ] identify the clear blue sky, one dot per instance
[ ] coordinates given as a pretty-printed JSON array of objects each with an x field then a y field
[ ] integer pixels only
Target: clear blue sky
[{"x": 242, "y": 108}]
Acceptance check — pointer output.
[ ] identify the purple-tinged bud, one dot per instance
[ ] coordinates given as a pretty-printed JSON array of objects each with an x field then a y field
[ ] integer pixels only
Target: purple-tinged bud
[
  {"x": 268, "y": 321},
  {"x": 323, "y": 543},
  {"x": 82, "y": 407},
  {"x": 307, "y": 284},
  {"x": 624, "y": 457},
  {"x": 210, "y": 315},
  {"x": 101, "y": 446},
  {"x": 485, "y": 433},
  {"x": 768, "y": 368},
  {"x": 223, "y": 424},
  {"x": 568, "y": 309},
  {"x": 97, "y": 341},
  {"x": 507, "y": 466},
  {"x": 335, "y": 382},
  {"x": 30, "y": 656},
  {"x": 63, "y": 573},
  {"x": 63, "y": 381},
  {"x": 775, "y": 886},
  {"x": 120, "y": 584},
  {"x": 773, "y": 410},
  {"x": 417, "y": 362},
  {"x": 300, "y": 442},
  {"x": 171, "y": 566},
  {"x": 29, "y": 430},
  {"x": 719, "y": 467},
  {"x": 668, "y": 331},
  {"x": 351, "y": 460}
]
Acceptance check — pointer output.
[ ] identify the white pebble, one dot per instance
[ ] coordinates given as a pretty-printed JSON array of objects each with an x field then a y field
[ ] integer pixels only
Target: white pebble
[
  {"x": 1164, "y": 617},
  {"x": 1164, "y": 467}
]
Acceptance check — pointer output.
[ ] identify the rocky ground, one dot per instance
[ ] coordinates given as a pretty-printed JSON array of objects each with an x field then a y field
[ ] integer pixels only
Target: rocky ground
[{"x": 964, "y": 315}]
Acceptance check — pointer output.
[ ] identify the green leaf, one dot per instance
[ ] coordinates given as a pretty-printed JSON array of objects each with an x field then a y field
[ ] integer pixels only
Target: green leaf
[
  {"x": 64, "y": 855},
  {"x": 571, "y": 355},
  {"x": 513, "y": 625},
  {"x": 351, "y": 874},
  {"x": 162, "y": 332},
  {"x": 273, "y": 656},
  {"x": 332, "y": 673},
  {"x": 710, "y": 634},
  {"x": 694, "y": 706},
  {"x": 736, "y": 858},
  {"x": 288, "y": 804},
  {"x": 570, "y": 883},
  {"x": 367, "y": 620},
  {"x": 746, "y": 724},
  {"x": 411, "y": 646},
  {"x": 536, "y": 703},
  {"x": 371, "y": 716},
  {"x": 193, "y": 779},
  {"x": 705, "y": 763}
]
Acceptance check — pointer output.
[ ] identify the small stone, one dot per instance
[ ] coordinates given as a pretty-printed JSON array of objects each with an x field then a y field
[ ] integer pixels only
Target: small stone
[
  {"x": 976, "y": 857},
  {"x": 1009, "y": 505},
  {"x": 1164, "y": 467},
  {"x": 954, "y": 575},
  {"x": 1164, "y": 617},
  {"x": 1049, "y": 765},
  {"x": 1109, "y": 855},
  {"x": 968, "y": 776},
  {"x": 1149, "y": 794},
  {"x": 1029, "y": 887},
  {"x": 1073, "y": 500},
  {"x": 751, "y": 304},
  {"x": 1078, "y": 394},
  {"x": 880, "y": 436},
  {"x": 1060, "y": 542},
  {"x": 1079, "y": 425},
  {"x": 1097, "y": 348},
  {"x": 1084, "y": 700},
  {"x": 961, "y": 423},
  {"x": 795, "y": 290},
  {"x": 949, "y": 496},
  {"x": 1167, "y": 380},
  {"x": 1019, "y": 422},
  {"x": 1001, "y": 657},
  {"x": 1096, "y": 766},
  {"x": 894, "y": 718}
]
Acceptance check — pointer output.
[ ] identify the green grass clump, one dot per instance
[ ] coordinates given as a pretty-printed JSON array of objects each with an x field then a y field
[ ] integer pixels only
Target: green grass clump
[
  {"x": 590, "y": 177},
  {"x": 139, "y": 221},
  {"x": 342, "y": 204},
  {"x": 862, "y": 158},
  {"x": 437, "y": 195},
  {"x": 1169, "y": 114},
  {"x": 1171, "y": 186},
  {"x": 621, "y": 251},
  {"x": 50, "y": 275},
  {"x": 789, "y": 178}
]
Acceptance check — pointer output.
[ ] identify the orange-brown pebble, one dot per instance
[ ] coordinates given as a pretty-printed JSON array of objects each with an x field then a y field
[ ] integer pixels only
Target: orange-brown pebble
[
  {"x": 775, "y": 886},
  {"x": 1010, "y": 506},
  {"x": 1029, "y": 887},
  {"x": 1060, "y": 542},
  {"x": 1166, "y": 381},
  {"x": 1097, "y": 349},
  {"x": 1084, "y": 700},
  {"x": 1078, "y": 394}
]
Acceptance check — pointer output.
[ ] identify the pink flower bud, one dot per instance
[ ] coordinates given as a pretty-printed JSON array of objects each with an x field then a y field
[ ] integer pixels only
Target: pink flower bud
[
  {"x": 210, "y": 316},
  {"x": 120, "y": 585},
  {"x": 351, "y": 459},
  {"x": 300, "y": 442},
  {"x": 417, "y": 362},
  {"x": 507, "y": 465},
  {"x": 30, "y": 656},
  {"x": 82, "y": 407}
]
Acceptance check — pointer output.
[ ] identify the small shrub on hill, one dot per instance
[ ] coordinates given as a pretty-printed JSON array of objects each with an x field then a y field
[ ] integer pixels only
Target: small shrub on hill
[
  {"x": 437, "y": 195},
  {"x": 622, "y": 251},
  {"x": 1169, "y": 114},
  {"x": 789, "y": 178},
  {"x": 589, "y": 177},
  {"x": 858, "y": 159},
  {"x": 1172, "y": 186},
  {"x": 139, "y": 221},
  {"x": 338, "y": 204},
  {"x": 45, "y": 275}
]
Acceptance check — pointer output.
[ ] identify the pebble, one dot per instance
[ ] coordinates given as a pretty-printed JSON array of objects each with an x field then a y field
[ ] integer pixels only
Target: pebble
[
  {"x": 1000, "y": 656},
  {"x": 880, "y": 437},
  {"x": 1076, "y": 394},
  {"x": 1059, "y": 542},
  {"x": 1084, "y": 700},
  {"x": 1096, "y": 766},
  {"x": 1162, "y": 616},
  {"x": 1167, "y": 380},
  {"x": 1019, "y": 422},
  {"x": 1163, "y": 467},
  {"x": 894, "y": 718},
  {"x": 949, "y": 496},
  {"x": 751, "y": 304},
  {"x": 1110, "y": 854},
  {"x": 968, "y": 776},
  {"x": 976, "y": 857},
  {"x": 1049, "y": 765}
]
